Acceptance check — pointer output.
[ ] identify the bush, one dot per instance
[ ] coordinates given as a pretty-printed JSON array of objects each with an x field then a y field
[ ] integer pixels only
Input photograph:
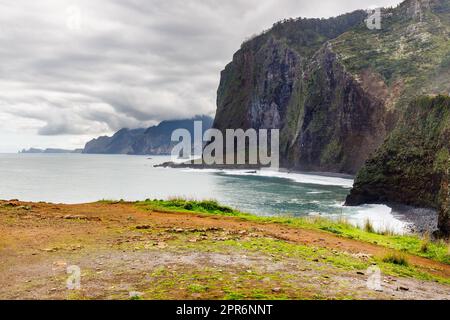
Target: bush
[
  {"x": 397, "y": 259},
  {"x": 425, "y": 245},
  {"x": 209, "y": 206},
  {"x": 368, "y": 226}
]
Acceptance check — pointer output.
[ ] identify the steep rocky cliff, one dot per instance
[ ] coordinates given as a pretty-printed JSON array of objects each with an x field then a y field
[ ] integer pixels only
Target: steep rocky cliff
[
  {"x": 333, "y": 87},
  {"x": 155, "y": 140},
  {"x": 412, "y": 167}
]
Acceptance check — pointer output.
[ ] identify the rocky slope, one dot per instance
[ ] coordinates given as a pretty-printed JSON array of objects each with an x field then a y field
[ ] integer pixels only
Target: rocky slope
[
  {"x": 333, "y": 87},
  {"x": 152, "y": 141},
  {"x": 412, "y": 167}
]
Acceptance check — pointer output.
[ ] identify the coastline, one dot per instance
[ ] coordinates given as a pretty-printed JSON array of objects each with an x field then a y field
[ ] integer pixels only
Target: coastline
[
  {"x": 313, "y": 201},
  {"x": 422, "y": 220},
  {"x": 417, "y": 220}
]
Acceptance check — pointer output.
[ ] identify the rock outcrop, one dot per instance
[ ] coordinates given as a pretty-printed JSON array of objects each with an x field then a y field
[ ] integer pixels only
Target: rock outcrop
[
  {"x": 412, "y": 167},
  {"x": 152, "y": 141},
  {"x": 335, "y": 88}
]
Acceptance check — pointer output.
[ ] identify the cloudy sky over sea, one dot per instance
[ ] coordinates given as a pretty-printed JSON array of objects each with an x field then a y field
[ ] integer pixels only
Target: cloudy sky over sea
[{"x": 74, "y": 70}]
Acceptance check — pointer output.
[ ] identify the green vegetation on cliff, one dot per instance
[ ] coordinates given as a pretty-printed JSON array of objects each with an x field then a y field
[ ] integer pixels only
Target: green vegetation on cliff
[
  {"x": 337, "y": 90},
  {"x": 412, "y": 167},
  {"x": 333, "y": 87}
]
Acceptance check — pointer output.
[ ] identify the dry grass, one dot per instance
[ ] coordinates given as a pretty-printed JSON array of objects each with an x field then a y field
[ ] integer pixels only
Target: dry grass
[
  {"x": 368, "y": 226},
  {"x": 426, "y": 240}
]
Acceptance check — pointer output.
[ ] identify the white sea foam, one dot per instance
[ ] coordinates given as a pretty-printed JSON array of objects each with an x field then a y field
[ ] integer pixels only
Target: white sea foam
[
  {"x": 380, "y": 216},
  {"x": 297, "y": 177},
  {"x": 304, "y": 178}
]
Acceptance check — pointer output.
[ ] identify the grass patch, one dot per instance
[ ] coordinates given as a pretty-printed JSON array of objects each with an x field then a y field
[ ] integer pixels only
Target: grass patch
[
  {"x": 412, "y": 244},
  {"x": 425, "y": 246},
  {"x": 182, "y": 205},
  {"x": 216, "y": 284},
  {"x": 368, "y": 226},
  {"x": 396, "y": 258},
  {"x": 197, "y": 288},
  {"x": 280, "y": 250}
]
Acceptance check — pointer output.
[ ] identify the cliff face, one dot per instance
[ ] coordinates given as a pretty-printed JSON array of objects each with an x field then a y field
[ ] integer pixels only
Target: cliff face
[
  {"x": 412, "y": 167},
  {"x": 333, "y": 87},
  {"x": 337, "y": 122},
  {"x": 152, "y": 141},
  {"x": 264, "y": 84}
]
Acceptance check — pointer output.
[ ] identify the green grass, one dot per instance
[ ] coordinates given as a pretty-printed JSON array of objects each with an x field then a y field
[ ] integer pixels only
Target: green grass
[
  {"x": 182, "y": 205},
  {"x": 213, "y": 283},
  {"x": 368, "y": 227},
  {"x": 412, "y": 244},
  {"x": 397, "y": 259},
  {"x": 197, "y": 288},
  {"x": 279, "y": 250}
]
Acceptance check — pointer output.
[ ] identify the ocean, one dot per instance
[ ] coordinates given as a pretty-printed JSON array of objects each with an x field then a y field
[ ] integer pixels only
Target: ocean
[{"x": 79, "y": 178}]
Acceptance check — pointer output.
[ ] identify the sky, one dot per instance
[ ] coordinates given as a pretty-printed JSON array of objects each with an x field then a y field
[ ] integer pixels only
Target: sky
[{"x": 74, "y": 70}]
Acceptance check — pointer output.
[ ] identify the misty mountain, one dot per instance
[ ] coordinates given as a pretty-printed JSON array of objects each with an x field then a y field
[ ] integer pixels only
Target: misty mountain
[{"x": 155, "y": 140}]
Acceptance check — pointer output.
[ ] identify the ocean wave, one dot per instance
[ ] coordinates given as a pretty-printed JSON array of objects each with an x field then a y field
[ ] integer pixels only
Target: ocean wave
[
  {"x": 304, "y": 178},
  {"x": 380, "y": 216}
]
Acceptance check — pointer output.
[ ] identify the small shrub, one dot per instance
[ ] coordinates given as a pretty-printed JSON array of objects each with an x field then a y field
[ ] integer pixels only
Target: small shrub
[
  {"x": 387, "y": 232},
  {"x": 332, "y": 230},
  {"x": 343, "y": 221},
  {"x": 368, "y": 226},
  {"x": 212, "y": 205},
  {"x": 197, "y": 288},
  {"x": 396, "y": 258},
  {"x": 425, "y": 244}
]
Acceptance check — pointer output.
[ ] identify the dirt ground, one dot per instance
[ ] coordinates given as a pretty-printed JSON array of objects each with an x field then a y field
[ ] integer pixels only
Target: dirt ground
[{"x": 125, "y": 253}]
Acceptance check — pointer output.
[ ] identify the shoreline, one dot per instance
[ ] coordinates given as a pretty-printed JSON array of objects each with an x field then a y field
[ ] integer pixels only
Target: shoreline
[
  {"x": 422, "y": 220},
  {"x": 282, "y": 177},
  {"x": 418, "y": 220},
  {"x": 185, "y": 165}
]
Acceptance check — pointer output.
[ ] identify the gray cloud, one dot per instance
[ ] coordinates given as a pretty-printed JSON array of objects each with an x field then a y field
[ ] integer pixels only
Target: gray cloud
[{"x": 83, "y": 68}]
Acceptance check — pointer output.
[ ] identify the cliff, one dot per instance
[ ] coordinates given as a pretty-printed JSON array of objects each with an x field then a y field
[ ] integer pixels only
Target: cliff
[
  {"x": 412, "y": 167},
  {"x": 333, "y": 87},
  {"x": 155, "y": 140}
]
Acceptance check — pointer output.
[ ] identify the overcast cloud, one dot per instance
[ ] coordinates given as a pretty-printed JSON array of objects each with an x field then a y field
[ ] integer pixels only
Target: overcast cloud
[{"x": 74, "y": 70}]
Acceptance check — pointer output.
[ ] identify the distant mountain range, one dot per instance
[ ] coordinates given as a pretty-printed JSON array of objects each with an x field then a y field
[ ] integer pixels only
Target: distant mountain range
[
  {"x": 50, "y": 150},
  {"x": 155, "y": 140}
]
